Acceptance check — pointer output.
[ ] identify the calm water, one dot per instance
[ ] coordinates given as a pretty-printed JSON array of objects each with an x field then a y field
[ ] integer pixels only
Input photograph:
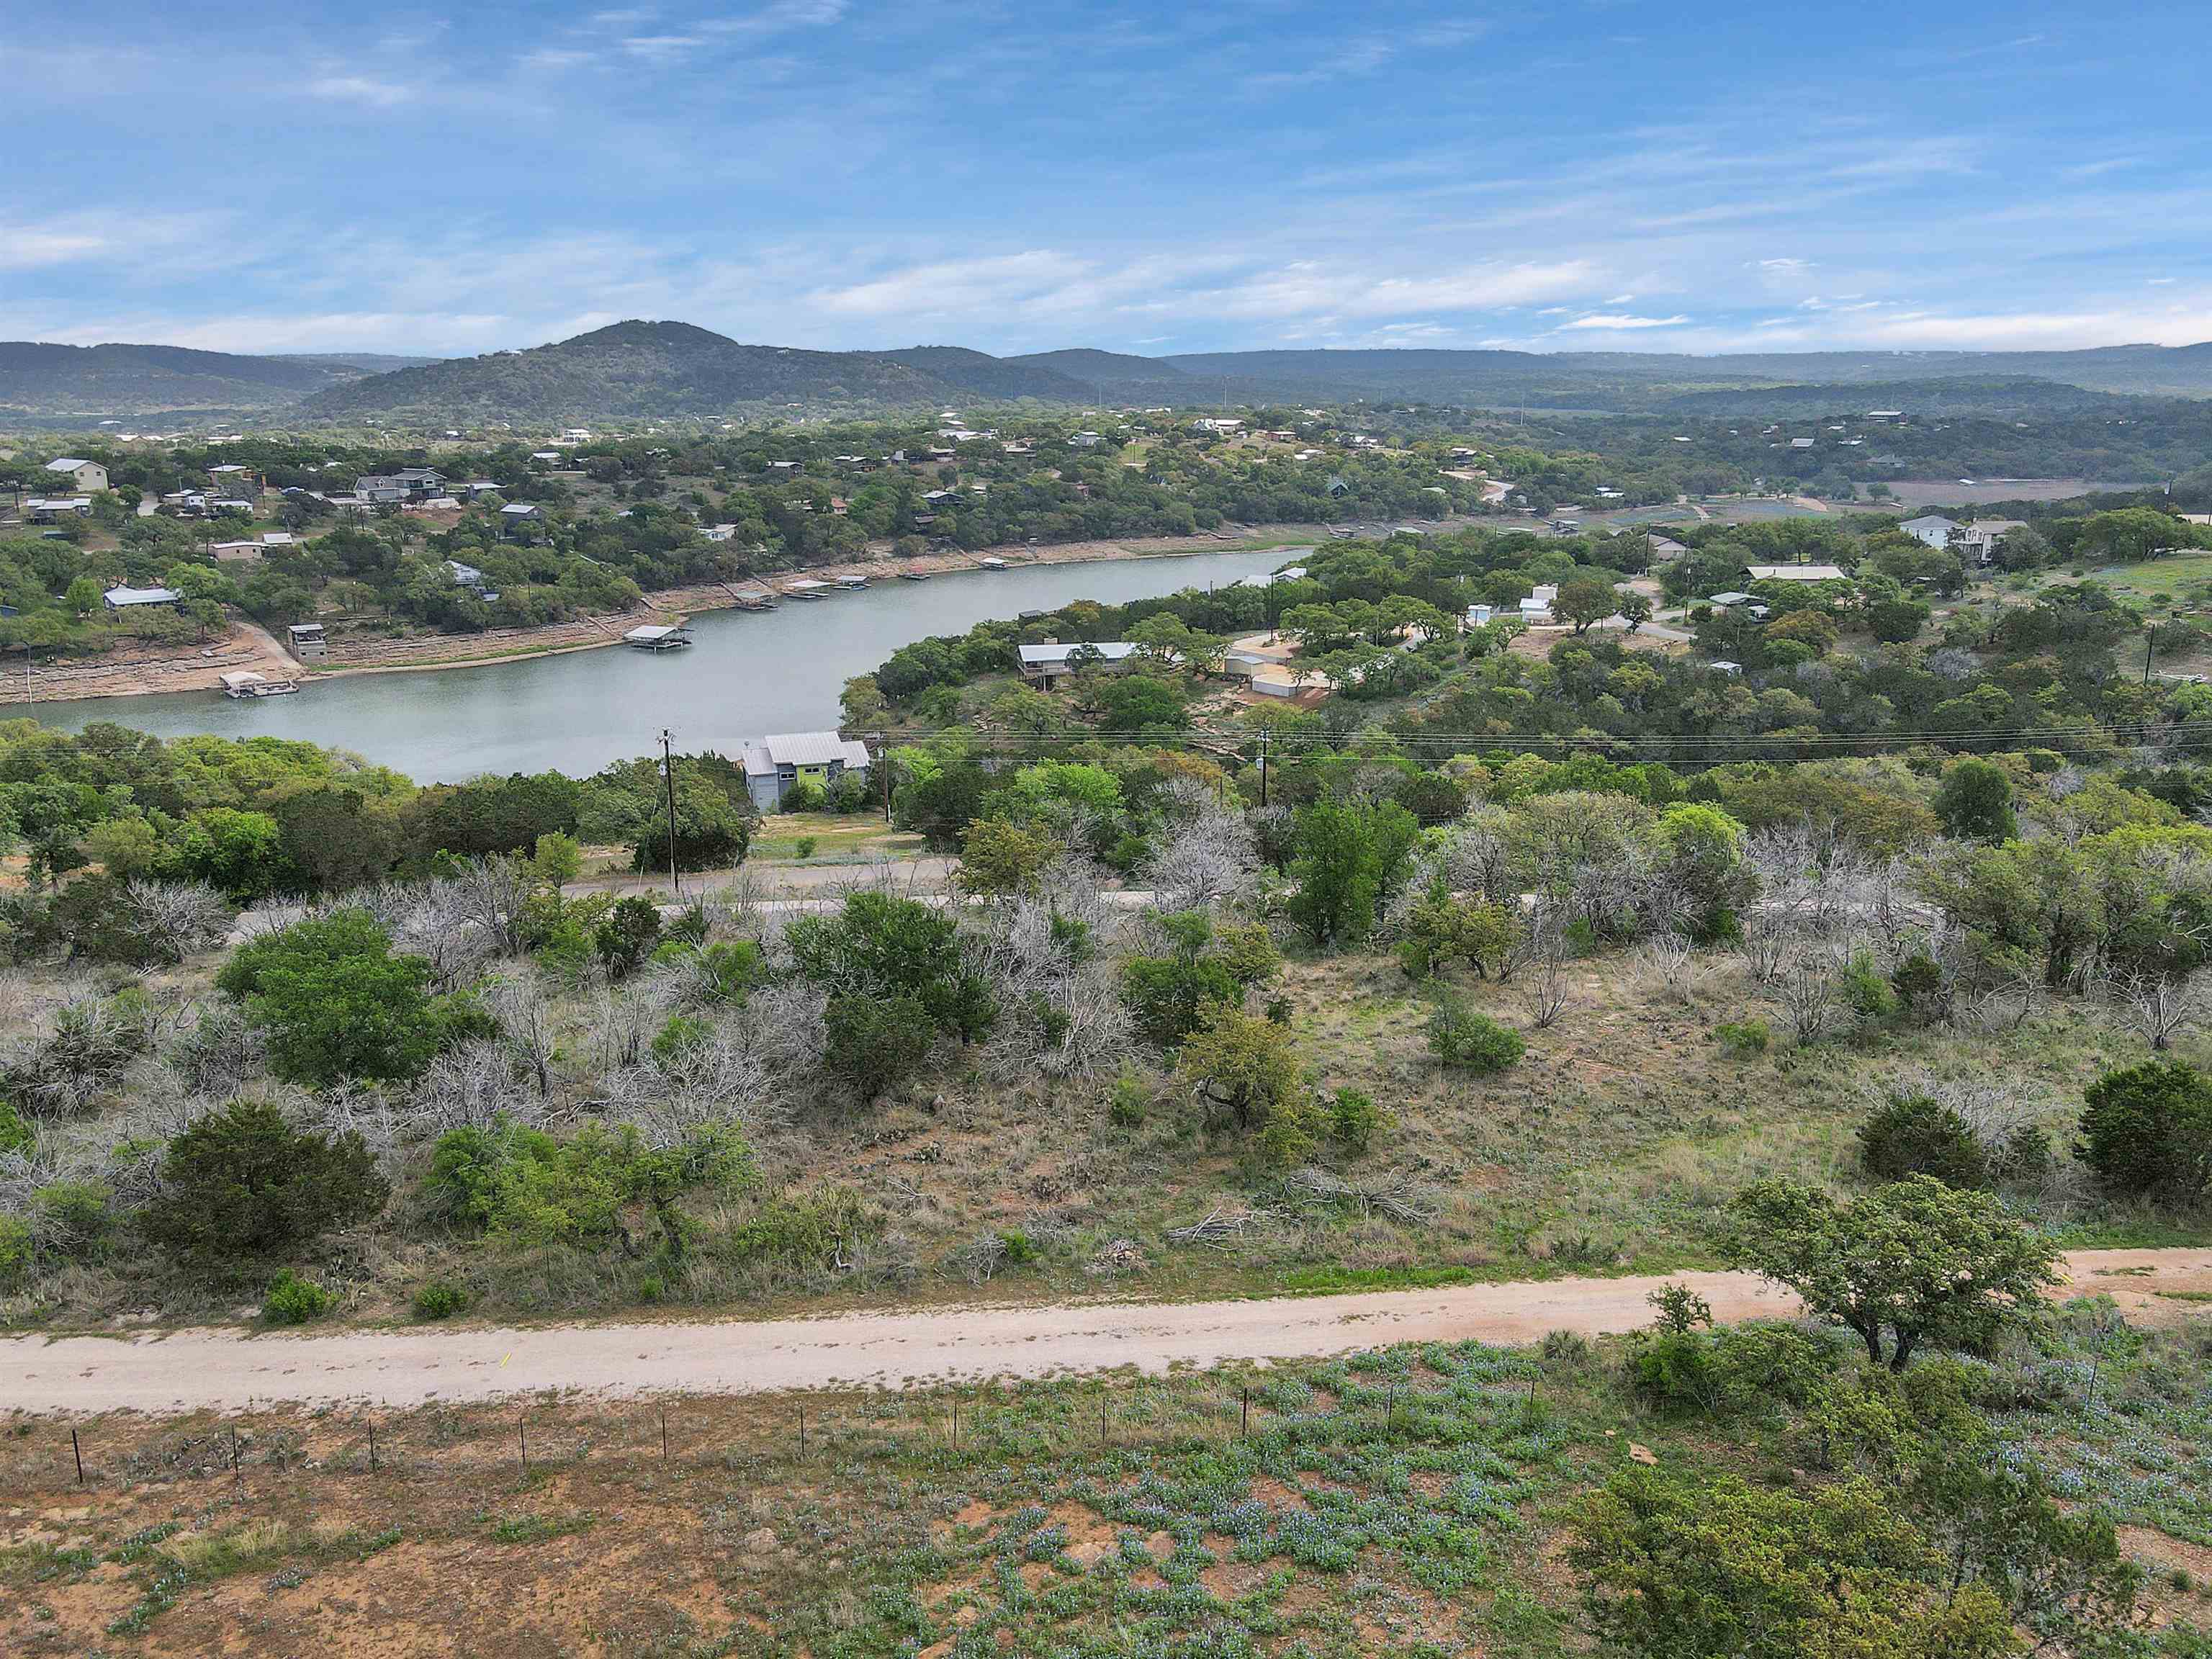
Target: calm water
[{"x": 749, "y": 673}]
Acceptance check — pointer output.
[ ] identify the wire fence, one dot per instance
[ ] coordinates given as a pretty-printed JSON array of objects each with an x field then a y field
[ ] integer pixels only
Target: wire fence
[{"x": 1020, "y": 1421}]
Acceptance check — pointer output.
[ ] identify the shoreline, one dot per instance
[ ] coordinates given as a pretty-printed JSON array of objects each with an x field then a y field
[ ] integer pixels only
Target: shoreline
[{"x": 678, "y": 604}]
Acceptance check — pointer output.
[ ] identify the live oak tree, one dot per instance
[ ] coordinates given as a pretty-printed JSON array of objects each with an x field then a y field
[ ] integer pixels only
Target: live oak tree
[
  {"x": 1679, "y": 1568},
  {"x": 1586, "y": 600},
  {"x": 1914, "y": 1261}
]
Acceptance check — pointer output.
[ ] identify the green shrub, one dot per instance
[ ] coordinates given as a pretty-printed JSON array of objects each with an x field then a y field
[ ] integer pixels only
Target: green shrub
[
  {"x": 1743, "y": 1039},
  {"x": 1466, "y": 1040},
  {"x": 1722, "y": 1372},
  {"x": 876, "y": 1043},
  {"x": 2148, "y": 1131},
  {"x": 803, "y": 847},
  {"x": 1128, "y": 1101},
  {"x": 72, "y": 1218},
  {"x": 803, "y": 1229},
  {"x": 440, "y": 1299},
  {"x": 15, "y": 1134},
  {"x": 1353, "y": 1119},
  {"x": 684, "y": 1034},
  {"x": 242, "y": 1182},
  {"x": 1021, "y": 1248},
  {"x": 626, "y": 935},
  {"x": 1864, "y": 989},
  {"x": 295, "y": 1301},
  {"x": 15, "y": 1251},
  {"x": 337, "y": 1004},
  {"x": 1915, "y": 1135},
  {"x": 804, "y": 797},
  {"x": 1920, "y": 985}
]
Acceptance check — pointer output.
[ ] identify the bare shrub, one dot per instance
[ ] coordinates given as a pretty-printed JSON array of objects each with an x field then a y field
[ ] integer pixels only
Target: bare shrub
[
  {"x": 2157, "y": 1006},
  {"x": 218, "y": 1051},
  {"x": 1672, "y": 960},
  {"x": 1206, "y": 858},
  {"x": 1807, "y": 986},
  {"x": 178, "y": 918},
  {"x": 466, "y": 1086}
]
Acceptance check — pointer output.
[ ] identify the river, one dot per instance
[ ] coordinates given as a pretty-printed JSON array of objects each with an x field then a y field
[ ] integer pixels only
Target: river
[{"x": 749, "y": 673}]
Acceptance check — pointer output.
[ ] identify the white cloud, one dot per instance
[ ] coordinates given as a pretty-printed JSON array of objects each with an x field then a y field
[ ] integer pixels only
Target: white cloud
[
  {"x": 1616, "y": 319},
  {"x": 365, "y": 90},
  {"x": 30, "y": 247}
]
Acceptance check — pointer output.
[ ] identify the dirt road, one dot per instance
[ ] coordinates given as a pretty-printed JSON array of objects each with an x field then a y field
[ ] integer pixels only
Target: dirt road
[{"x": 219, "y": 1369}]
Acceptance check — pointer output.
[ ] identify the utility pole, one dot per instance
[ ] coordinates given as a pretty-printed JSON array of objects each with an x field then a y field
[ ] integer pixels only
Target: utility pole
[
  {"x": 668, "y": 775},
  {"x": 1263, "y": 766},
  {"x": 884, "y": 766},
  {"x": 2150, "y": 632}
]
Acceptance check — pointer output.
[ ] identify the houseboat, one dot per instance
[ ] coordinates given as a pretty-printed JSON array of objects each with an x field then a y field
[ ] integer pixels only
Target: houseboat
[
  {"x": 992, "y": 564},
  {"x": 244, "y": 682},
  {"x": 852, "y": 584}
]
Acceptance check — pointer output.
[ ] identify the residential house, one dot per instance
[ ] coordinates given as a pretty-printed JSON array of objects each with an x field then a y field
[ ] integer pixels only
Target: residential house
[
  {"x": 1795, "y": 573},
  {"x": 308, "y": 644},
  {"x": 138, "y": 598},
  {"x": 1981, "y": 537},
  {"x": 774, "y": 764},
  {"x": 1537, "y": 607},
  {"x": 50, "y": 509},
  {"x": 516, "y": 516},
  {"x": 81, "y": 475},
  {"x": 409, "y": 483},
  {"x": 1931, "y": 530},
  {"x": 1045, "y": 663}
]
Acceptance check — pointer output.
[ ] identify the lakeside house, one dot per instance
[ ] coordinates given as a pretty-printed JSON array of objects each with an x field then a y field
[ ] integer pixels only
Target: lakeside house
[
  {"x": 1044, "y": 663},
  {"x": 1931, "y": 530},
  {"x": 138, "y": 598},
  {"x": 81, "y": 475},
  {"x": 308, "y": 644},
  {"x": 777, "y": 763}
]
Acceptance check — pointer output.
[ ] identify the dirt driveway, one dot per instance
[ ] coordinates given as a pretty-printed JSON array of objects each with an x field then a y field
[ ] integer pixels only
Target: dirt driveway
[{"x": 232, "y": 1368}]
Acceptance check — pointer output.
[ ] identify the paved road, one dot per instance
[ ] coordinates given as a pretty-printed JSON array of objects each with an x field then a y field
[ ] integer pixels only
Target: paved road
[{"x": 230, "y": 1369}]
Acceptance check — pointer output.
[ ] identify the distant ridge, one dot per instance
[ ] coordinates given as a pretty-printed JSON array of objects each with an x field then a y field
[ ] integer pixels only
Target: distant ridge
[
  {"x": 642, "y": 369},
  {"x": 131, "y": 381}
]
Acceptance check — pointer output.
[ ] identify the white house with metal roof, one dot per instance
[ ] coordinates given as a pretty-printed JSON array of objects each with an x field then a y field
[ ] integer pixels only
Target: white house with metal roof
[
  {"x": 1931, "y": 530},
  {"x": 133, "y": 598}
]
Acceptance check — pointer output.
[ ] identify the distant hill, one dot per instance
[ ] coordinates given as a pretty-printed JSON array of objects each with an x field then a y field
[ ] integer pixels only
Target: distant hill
[
  {"x": 641, "y": 370},
  {"x": 363, "y": 362},
  {"x": 1006, "y": 379},
  {"x": 1630, "y": 379},
  {"x": 117, "y": 381},
  {"x": 1121, "y": 378},
  {"x": 1959, "y": 395}
]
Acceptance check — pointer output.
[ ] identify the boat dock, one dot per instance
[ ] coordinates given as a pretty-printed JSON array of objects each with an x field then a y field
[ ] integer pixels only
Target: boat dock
[
  {"x": 244, "y": 682},
  {"x": 658, "y": 637}
]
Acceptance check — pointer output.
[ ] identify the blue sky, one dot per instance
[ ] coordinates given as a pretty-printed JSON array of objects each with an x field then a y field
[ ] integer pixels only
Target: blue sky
[{"x": 843, "y": 174}]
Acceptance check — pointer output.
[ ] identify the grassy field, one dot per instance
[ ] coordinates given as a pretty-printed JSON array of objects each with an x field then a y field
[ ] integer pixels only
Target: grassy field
[{"x": 1411, "y": 1502}]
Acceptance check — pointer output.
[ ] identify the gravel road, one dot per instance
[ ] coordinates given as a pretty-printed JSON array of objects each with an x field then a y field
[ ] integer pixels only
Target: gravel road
[{"x": 229, "y": 1369}]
